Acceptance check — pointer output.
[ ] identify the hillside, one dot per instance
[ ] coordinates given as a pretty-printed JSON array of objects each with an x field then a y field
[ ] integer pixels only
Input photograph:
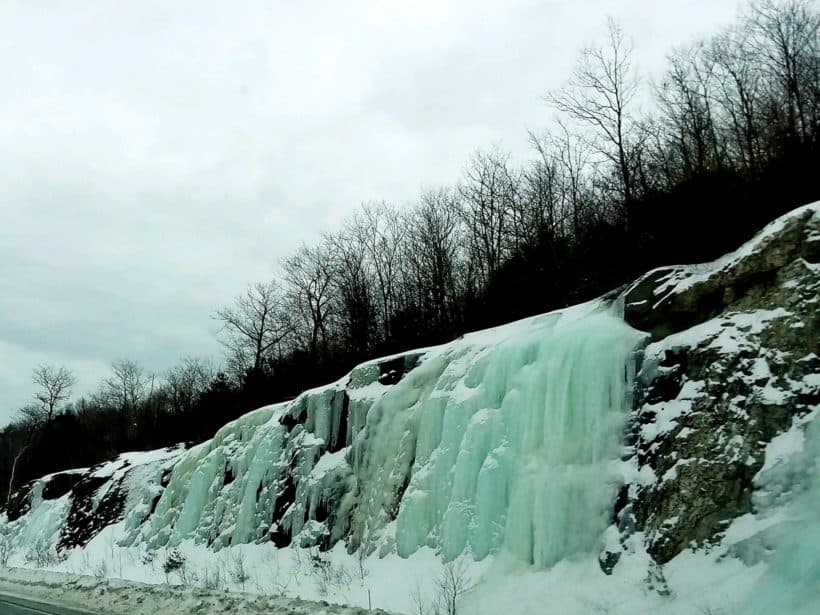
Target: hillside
[{"x": 655, "y": 448}]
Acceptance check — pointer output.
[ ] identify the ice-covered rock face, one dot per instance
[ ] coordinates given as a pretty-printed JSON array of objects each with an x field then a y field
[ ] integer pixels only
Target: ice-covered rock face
[
  {"x": 501, "y": 440},
  {"x": 67, "y": 509},
  {"x": 505, "y": 446}
]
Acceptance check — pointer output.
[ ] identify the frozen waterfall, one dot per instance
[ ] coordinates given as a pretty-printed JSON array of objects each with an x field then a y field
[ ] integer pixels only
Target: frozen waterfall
[
  {"x": 506, "y": 439},
  {"x": 514, "y": 444}
]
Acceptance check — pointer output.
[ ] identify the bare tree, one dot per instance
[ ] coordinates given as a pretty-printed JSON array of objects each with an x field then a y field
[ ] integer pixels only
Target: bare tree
[
  {"x": 685, "y": 96},
  {"x": 353, "y": 283},
  {"x": 542, "y": 189},
  {"x": 54, "y": 383},
  {"x": 451, "y": 584},
  {"x": 787, "y": 34},
  {"x": 488, "y": 191},
  {"x": 186, "y": 381},
  {"x": 422, "y": 605},
  {"x": 432, "y": 254},
  {"x": 599, "y": 95},
  {"x": 29, "y": 423},
  {"x": 309, "y": 277},
  {"x": 123, "y": 392},
  {"x": 567, "y": 157},
  {"x": 741, "y": 99},
  {"x": 380, "y": 229},
  {"x": 256, "y": 323},
  {"x": 125, "y": 388}
]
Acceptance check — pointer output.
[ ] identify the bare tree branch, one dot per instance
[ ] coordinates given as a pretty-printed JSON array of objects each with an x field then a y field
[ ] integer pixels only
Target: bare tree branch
[
  {"x": 600, "y": 94},
  {"x": 255, "y": 324},
  {"x": 55, "y": 383}
]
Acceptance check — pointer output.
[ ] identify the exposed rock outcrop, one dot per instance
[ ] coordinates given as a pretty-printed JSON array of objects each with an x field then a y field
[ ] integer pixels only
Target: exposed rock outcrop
[
  {"x": 671, "y": 299},
  {"x": 741, "y": 365}
]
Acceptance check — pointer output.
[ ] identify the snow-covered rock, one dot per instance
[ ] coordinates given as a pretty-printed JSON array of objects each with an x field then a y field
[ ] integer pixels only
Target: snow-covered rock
[
  {"x": 67, "y": 509},
  {"x": 713, "y": 395}
]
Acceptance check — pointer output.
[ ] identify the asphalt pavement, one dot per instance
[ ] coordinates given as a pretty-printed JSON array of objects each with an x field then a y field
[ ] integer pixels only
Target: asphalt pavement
[{"x": 14, "y": 605}]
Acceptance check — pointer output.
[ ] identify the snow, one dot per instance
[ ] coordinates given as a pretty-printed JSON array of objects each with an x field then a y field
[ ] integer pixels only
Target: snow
[
  {"x": 727, "y": 335},
  {"x": 672, "y": 473},
  {"x": 782, "y": 447},
  {"x": 666, "y": 417},
  {"x": 328, "y": 463},
  {"x": 127, "y": 460},
  {"x": 811, "y": 381},
  {"x": 788, "y": 459},
  {"x": 788, "y": 502},
  {"x": 115, "y": 597},
  {"x": 684, "y": 277},
  {"x": 499, "y": 584}
]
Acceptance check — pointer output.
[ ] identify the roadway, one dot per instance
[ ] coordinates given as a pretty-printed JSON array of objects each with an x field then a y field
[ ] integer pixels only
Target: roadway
[{"x": 14, "y": 605}]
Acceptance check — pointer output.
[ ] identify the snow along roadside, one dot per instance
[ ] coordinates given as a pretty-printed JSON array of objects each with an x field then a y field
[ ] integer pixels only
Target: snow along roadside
[{"x": 115, "y": 596}]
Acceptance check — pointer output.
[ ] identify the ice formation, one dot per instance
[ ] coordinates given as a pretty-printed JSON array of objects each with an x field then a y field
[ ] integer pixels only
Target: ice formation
[
  {"x": 501, "y": 440},
  {"x": 791, "y": 583},
  {"x": 513, "y": 452},
  {"x": 66, "y": 509}
]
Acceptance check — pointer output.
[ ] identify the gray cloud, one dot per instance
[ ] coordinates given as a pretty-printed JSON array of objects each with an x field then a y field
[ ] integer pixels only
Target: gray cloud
[{"x": 155, "y": 157}]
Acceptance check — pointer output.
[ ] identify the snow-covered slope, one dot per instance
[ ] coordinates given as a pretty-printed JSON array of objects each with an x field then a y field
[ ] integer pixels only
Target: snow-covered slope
[{"x": 559, "y": 456}]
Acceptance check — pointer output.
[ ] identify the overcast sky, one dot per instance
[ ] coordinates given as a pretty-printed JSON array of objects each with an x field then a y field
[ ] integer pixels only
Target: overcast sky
[{"x": 155, "y": 157}]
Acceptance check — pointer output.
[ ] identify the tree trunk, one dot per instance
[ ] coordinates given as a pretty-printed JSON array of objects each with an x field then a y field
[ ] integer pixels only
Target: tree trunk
[{"x": 14, "y": 471}]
